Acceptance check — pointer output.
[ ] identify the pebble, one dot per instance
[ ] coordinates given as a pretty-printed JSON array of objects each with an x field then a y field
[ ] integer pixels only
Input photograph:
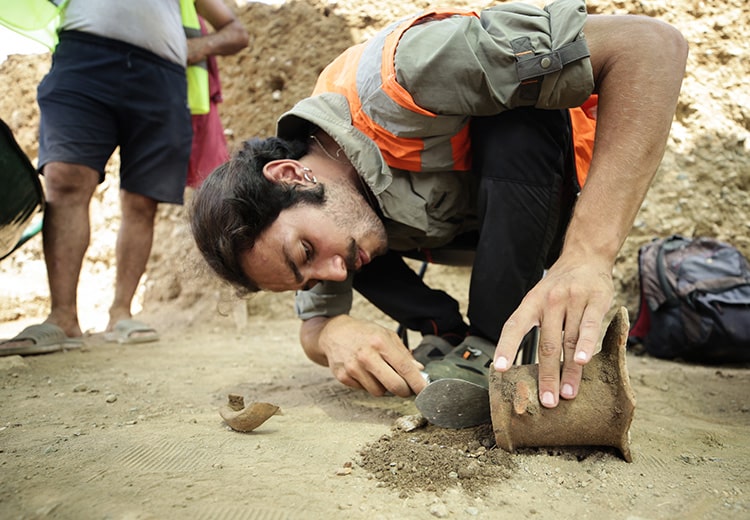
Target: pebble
[
  {"x": 468, "y": 471},
  {"x": 410, "y": 423},
  {"x": 439, "y": 510}
]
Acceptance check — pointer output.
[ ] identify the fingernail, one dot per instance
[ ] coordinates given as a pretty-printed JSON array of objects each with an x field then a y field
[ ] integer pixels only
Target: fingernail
[
  {"x": 501, "y": 363},
  {"x": 567, "y": 390},
  {"x": 581, "y": 356},
  {"x": 548, "y": 399}
]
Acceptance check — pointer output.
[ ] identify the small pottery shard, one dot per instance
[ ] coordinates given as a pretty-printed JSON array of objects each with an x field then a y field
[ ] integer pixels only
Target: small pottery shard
[
  {"x": 409, "y": 423},
  {"x": 599, "y": 416},
  {"x": 243, "y": 418}
]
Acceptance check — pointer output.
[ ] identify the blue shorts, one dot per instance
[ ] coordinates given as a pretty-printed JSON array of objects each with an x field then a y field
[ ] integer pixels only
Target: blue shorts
[{"x": 102, "y": 93}]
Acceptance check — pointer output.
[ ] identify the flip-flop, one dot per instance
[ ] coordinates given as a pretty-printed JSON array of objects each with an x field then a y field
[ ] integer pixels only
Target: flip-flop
[
  {"x": 131, "y": 331},
  {"x": 454, "y": 403},
  {"x": 45, "y": 338}
]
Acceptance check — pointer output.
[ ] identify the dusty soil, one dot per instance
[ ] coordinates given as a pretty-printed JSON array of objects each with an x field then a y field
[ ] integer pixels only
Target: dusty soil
[{"x": 111, "y": 431}]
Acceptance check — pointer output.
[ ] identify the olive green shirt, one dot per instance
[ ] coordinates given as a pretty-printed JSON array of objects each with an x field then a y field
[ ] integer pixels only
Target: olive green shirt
[{"x": 457, "y": 68}]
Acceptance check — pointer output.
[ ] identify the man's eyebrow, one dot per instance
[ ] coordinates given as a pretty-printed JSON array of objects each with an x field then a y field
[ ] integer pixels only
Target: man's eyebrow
[{"x": 291, "y": 265}]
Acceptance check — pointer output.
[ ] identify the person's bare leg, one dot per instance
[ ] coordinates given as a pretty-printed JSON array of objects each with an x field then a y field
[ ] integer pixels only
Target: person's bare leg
[
  {"x": 132, "y": 251},
  {"x": 66, "y": 234}
]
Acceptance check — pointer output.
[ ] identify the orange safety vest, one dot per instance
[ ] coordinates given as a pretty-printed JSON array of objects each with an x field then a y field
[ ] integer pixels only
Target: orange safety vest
[{"x": 406, "y": 153}]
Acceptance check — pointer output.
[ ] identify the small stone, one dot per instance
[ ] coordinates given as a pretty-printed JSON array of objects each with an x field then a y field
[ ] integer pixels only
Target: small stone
[
  {"x": 468, "y": 471},
  {"x": 111, "y": 398},
  {"x": 410, "y": 423},
  {"x": 439, "y": 510}
]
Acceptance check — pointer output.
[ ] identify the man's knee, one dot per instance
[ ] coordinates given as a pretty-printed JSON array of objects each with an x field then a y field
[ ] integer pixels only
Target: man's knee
[
  {"x": 71, "y": 181},
  {"x": 138, "y": 207}
]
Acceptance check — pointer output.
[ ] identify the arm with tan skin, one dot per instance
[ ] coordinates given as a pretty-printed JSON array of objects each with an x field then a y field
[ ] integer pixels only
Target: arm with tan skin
[
  {"x": 638, "y": 65},
  {"x": 229, "y": 37},
  {"x": 362, "y": 354}
]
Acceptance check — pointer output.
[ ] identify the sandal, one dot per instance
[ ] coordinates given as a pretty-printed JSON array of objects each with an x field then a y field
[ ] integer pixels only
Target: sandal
[
  {"x": 39, "y": 339},
  {"x": 431, "y": 348},
  {"x": 458, "y": 396},
  {"x": 470, "y": 361}
]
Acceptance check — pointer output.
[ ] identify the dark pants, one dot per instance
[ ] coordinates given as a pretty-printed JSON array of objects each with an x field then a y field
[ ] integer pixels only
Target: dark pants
[
  {"x": 394, "y": 288},
  {"x": 102, "y": 93},
  {"x": 527, "y": 191}
]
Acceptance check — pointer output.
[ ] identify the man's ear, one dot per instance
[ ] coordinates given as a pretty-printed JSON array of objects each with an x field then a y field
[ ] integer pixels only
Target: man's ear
[{"x": 284, "y": 171}]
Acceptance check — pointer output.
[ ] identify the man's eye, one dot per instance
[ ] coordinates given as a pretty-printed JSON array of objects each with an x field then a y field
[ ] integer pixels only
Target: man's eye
[{"x": 308, "y": 252}]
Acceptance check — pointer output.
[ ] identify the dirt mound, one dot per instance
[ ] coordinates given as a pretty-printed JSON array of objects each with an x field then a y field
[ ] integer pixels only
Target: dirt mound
[
  {"x": 434, "y": 459},
  {"x": 701, "y": 187}
]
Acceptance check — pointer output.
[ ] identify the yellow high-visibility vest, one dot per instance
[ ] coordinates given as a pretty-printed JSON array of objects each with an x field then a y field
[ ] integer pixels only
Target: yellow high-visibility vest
[
  {"x": 35, "y": 19},
  {"x": 197, "y": 73}
]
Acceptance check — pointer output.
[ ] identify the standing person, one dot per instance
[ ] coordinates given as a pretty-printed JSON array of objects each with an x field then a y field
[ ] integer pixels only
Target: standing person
[
  {"x": 440, "y": 125},
  {"x": 117, "y": 79}
]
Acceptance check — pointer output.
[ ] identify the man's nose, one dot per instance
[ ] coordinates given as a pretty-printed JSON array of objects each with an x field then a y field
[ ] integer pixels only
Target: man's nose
[{"x": 332, "y": 269}]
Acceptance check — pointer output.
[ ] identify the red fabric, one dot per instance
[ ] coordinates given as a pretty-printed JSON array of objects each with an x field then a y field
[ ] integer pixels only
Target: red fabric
[
  {"x": 209, "y": 148},
  {"x": 642, "y": 324}
]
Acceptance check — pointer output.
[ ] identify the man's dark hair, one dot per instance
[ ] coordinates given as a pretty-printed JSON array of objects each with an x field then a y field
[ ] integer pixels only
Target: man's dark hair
[{"x": 236, "y": 203}]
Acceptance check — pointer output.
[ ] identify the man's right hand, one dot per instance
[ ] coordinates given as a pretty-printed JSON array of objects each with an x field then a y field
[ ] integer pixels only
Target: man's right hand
[{"x": 362, "y": 354}]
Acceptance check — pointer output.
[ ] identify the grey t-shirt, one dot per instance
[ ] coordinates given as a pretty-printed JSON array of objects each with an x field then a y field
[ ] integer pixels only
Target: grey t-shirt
[{"x": 153, "y": 25}]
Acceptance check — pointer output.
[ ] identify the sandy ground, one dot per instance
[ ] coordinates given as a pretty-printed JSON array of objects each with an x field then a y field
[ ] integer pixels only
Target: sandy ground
[
  {"x": 112, "y": 431},
  {"x": 131, "y": 432}
]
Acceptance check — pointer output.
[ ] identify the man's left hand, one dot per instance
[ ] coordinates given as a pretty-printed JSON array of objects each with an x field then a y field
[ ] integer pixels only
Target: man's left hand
[{"x": 569, "y": 305}]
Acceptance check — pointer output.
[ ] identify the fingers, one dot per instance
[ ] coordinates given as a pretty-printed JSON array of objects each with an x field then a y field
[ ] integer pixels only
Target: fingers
[
  {"x": 352, "y": 377},
  {"x": 394, "y": 371},
  {"x": 400, "y": 373},
  {"x": 570, "y": 378},
  {"x": 590, "y": 330},
  {"x": 569, "y": 331},
  {"x": 550, "y": 353},
  {"x": 514, "y": 330},
  {"x": 580, "y": 344}
]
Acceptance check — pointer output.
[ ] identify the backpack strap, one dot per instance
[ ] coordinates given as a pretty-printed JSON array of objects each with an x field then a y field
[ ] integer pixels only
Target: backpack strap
[{"x": 670, "y": 244}]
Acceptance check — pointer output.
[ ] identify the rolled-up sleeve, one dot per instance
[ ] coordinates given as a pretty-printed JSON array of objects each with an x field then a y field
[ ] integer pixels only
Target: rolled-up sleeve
[
  {"x": 326, "y": 299},
  {"x": 513, "y": 55}
]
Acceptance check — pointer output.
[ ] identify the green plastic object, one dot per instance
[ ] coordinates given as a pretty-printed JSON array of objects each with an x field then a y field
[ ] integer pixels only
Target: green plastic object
[
  {"x": 34, "y": 19},
  {"x": 21, "y": 195}
]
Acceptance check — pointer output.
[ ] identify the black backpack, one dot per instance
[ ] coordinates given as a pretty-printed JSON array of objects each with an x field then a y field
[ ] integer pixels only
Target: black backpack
[{"x": 695, "y": 301}]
